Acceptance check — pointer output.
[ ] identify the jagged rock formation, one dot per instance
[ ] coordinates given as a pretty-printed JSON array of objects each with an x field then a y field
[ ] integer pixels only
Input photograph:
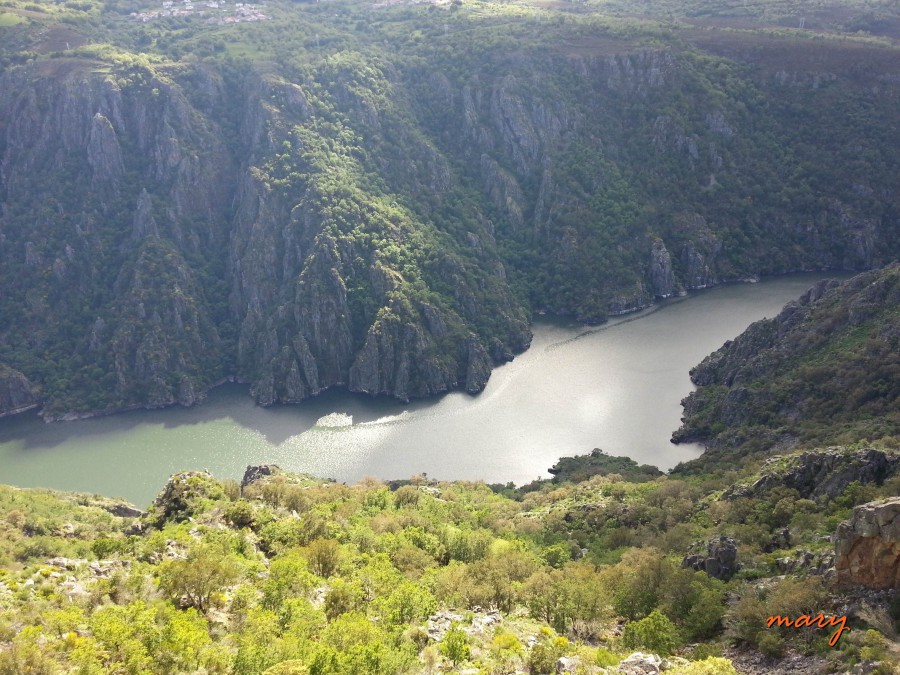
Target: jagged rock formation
[
  {"x": 867, "y": 547},
  {"x": 662, "y": 278},
  {"x": 820, "y": 564},
  {"x": 827, "y": 366},
  {"x": 182, "y": 494},
  {"x": 388, "y": 226}
]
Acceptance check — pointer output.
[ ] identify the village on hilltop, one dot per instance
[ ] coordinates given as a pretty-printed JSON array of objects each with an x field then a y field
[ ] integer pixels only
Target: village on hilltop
[{"x": 219, "y": 11}]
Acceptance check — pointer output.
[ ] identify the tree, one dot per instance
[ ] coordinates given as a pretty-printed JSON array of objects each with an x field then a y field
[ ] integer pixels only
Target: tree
[
  {"x": 323, "y": 556},
  {"x": 455, "y": 645},
  {"x": 409, "y": 602},
  {"x": 197, "y": 578},
  {"x": 655, "y": 633}
]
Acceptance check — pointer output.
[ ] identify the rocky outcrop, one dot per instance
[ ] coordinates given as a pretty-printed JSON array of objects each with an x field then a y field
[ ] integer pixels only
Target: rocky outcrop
[
  {"x": 820, "y": 564},
  {"x": 821, "y": 474},
  {"x": 255, "y": 473},
  {"x": 720, "y": 560},
  {"x": 182, "y": 494},
  {"x": 17, "y": 394},
  {"x": 104, "y": 155},
  {"x": 394, "y": 361},
  {"x": 867, "y": 547},
  {"x": 164, "y": 345},
  {"x": 120, "y": 509},
  {"x": 752, "y": 662},
  {"x": 639, "y": 663},
  {"x": 323, "y": 306},
  {"x": 144, "y": 224},
  {"x": 503, "y": 190}
]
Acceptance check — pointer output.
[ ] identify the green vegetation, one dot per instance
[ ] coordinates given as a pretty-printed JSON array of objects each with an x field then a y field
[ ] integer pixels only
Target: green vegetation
[
  {"x": 294, "y": 575},
  {"x": 9, "y": 19},
  {"x": 343, "y": 194},
  {"x": 826, "y": 370},
  {"x": 379, "y": 197}
]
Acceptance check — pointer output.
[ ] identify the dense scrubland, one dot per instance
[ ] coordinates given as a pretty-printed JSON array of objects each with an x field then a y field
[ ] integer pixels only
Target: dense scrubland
[{"x": 295, "y": 575}]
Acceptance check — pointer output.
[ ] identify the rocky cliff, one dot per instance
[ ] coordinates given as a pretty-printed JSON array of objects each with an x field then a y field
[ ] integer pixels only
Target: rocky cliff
[
  {"x": 825, "y": 368},
  {"x": 386, "y": 223}
]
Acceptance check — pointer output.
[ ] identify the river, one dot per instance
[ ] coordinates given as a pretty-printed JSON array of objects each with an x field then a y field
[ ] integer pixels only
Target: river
[{"x": 617, "y": 387}]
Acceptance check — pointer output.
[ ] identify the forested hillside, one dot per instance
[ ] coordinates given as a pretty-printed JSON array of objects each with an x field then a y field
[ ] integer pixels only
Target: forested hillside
[{"x": 309, "y": 195}]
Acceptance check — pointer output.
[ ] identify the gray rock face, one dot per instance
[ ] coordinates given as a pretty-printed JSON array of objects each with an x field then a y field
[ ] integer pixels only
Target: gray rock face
[
  {"x": 503, "y": 190},
  {"x": 746, "y": 358},
  {"x": 319, "y": 307},
  {"x": 17, "y": 394},
  {"x": 394, "y": 361},
  {"x": 380, "y": 284},
  {"x": 144, "y": 224},
  {"x": 662, "y": 278},
  {"x": 697, "y": 273},
  {"x": 782, "y": 376},
  {"x": 104, "y": 154},
  {"x": 823, "y": 474},
  {"x": 720, "y": 560},
  {"x": 479, "y": 366},
  {"x": 867, "y": 547}
]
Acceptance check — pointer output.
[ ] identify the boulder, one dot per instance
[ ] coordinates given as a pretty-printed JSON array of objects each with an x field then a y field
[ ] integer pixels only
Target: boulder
[
  {"x": 639, "y": 663},
  {"x": 567, "y": 665},
  {"x": 867, "y": 547},
  {"x": 720, "y": 560}
]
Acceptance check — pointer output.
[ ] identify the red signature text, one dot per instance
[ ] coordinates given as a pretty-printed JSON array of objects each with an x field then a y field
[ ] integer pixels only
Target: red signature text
[{"x": 819, "y": 621}]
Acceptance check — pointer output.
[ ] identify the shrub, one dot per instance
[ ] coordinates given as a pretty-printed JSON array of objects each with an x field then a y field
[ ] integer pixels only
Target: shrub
[
  {"x": 240, "y": 514},
  {"x": 455, "y": 645},
  {"x": 655, "y": 633},
  {"x": 323, "y": 556},
  {"x": 544, "y": 655},
  {"x": 710, "y": 666},
  {"x": 200, "y": 577}
]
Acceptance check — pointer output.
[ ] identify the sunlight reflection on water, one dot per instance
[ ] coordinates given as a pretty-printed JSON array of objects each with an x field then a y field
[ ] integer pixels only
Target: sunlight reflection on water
[{"x": 617, "y": 387}]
